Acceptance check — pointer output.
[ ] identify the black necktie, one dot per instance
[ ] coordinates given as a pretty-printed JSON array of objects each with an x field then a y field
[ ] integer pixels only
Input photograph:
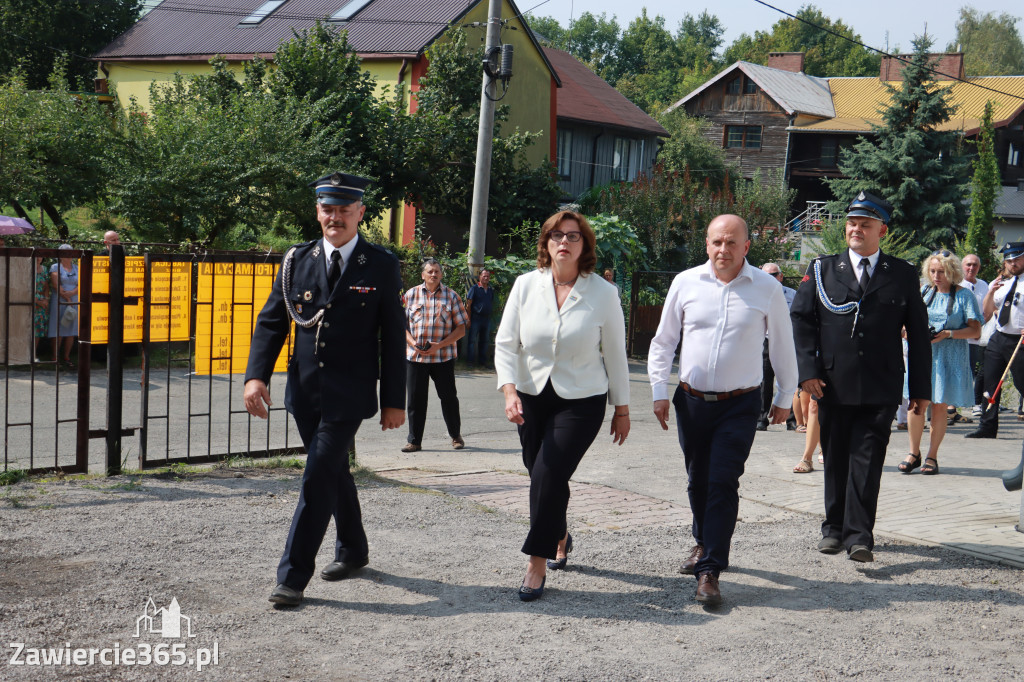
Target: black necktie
[
  {"x": 864, "y": 276},
  {"x": 334, "y": 272},
  {"x": 1004, "y": 310}
]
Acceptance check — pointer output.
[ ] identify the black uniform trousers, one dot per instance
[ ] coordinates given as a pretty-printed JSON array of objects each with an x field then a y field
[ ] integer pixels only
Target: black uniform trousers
[
  {"x": 327, "y": 489},
  {"x": 768, "y": 391},
  {"x": 977, "y": 360},
  {"x": 555, "y": 434},
  {"x": 997, "y": 356},
  {"x": 418, "y": 378},
  {"x": 853, "y": 440},
  {"x": 716, "y": 439}
]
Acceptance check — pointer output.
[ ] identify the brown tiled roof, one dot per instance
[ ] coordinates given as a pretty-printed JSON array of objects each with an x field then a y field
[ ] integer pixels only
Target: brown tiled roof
[
  {"x": 196, "y": 28},
  {"x": 587, "y": 98}
]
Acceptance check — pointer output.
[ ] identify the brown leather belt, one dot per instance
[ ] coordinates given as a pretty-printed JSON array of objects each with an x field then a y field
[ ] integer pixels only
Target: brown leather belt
[{"x": 715, "y": 397}]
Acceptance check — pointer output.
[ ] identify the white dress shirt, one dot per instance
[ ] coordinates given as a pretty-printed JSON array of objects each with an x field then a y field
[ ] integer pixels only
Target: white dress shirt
[
  {"x": 346, "y": 250},
  {"x": 580, "y": 348},
  {"x": 980, "y": 289},
  {"x": 1016, "y": 323},
  {"x": 723, "y": 325},
  {"x": 856, "y": 258}
]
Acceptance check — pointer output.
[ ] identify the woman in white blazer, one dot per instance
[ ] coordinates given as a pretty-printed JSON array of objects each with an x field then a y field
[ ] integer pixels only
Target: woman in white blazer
[{"x": 560, "y": 354}]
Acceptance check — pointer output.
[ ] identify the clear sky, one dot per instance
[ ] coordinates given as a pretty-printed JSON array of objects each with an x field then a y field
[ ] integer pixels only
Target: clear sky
[{"x": 903, "y": 19}]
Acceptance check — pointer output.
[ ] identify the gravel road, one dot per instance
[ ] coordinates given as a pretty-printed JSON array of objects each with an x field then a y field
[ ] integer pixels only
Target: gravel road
[{"x": 79, "y": 560}]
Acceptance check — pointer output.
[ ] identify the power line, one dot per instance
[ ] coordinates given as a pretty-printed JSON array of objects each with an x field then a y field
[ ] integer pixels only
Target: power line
[{"x": 886, "y": 54}]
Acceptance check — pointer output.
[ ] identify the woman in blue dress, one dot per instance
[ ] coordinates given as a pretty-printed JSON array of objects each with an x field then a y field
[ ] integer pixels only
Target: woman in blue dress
[
  {"x": 954, "y": 317},
  {"x": 63, "y": 307}
]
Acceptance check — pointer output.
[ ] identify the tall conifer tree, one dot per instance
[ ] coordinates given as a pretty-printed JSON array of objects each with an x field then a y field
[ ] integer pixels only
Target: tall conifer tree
[{"x": 984, "y": 185}]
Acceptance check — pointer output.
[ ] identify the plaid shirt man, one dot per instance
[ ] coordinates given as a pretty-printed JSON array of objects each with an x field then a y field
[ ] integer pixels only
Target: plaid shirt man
[{"x": 431, "y": 317}]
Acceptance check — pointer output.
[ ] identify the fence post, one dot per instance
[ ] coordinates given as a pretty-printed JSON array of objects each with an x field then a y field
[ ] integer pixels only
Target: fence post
[{"x": 115, "y": 359}]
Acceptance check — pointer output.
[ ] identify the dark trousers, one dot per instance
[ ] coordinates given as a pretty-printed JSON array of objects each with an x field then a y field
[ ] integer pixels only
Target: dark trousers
[
  {"x": 418, "y": 377},
  {"x": 977, "y": 360},
  {"x": 478, "y": 340},
  {"x": 716, "y": 439},
  {"x": 327, "y": 489},
  {"x": 768, "y": 391},
  {"x": 555, "y": 435},
  {"x": 853, "y": 440},
  {"x": 997, "y": 357}
]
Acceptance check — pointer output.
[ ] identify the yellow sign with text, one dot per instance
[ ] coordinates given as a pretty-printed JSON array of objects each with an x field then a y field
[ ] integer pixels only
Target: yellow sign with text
[
  {"x": 229, "y": 297},
  {"x": 170, "y": 298}
]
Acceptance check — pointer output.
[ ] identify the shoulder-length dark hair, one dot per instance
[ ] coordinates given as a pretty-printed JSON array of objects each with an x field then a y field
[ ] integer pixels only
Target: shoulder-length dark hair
[{"x": 588, "y": 257}]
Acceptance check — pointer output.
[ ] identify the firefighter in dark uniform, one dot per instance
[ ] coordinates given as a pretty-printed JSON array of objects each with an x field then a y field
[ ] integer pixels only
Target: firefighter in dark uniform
[
  {"x": 344, "y": 296},
  {"x": 847, "y": 320}
]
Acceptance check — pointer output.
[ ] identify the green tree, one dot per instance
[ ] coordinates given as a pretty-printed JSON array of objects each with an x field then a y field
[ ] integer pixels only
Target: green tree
[
  {"x": 921, "y": 170},
  {"x": 36, "y": 34},
  {"x": 594, "y": 40},
  {"x": 826, "y": 55},
  {"x": 689, "y": 150},
  {"x": 647, "y": 66},
  {"x": 991, "y": 44},
  {"x": 984, "y": 186}
]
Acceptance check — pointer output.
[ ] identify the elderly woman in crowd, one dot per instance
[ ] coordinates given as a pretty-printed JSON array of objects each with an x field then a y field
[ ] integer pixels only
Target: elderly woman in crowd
[
  {"x": 953, "y": 317},
  {"x": 63, "y": 309},
  {"x": 560, "y": 355}
]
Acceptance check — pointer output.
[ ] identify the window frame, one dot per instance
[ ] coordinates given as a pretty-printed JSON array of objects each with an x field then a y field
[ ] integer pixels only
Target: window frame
[
  {"x": 261, "y": 13},
  {"x": 744, "y": 136},
  {"x": 349, "y": 9},
  {"x": 563, "y": 153}
]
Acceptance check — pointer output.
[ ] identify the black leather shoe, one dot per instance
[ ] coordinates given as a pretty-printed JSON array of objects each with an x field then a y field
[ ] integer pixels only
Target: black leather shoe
[
  {"x": 981, "y": 433},
  {"x": 532, "y": 593},
  {"x": 559, "y": 564},
  {"x": 286, "y": 596},
  {"x": 339, "y": 570},
  {"x": 861, "y": 553},
  {"x": 690, "y": 563},
  {"x": 762, "y": 425},
  {"x": 830, "y": 546}
]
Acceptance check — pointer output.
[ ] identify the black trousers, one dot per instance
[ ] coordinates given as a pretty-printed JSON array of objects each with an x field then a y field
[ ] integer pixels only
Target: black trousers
[
  {"x": 977, "y": 360},
  {"x": 418, "y": 377},
  {"x": 328, "y": 489},
  {"x": 555, "y": 435},
  {"x": 997, "y": 357},
  {"x": 853, "y": 440},
  {"x": 716, "y": 439},
  {"x": 768, "y": 390}
]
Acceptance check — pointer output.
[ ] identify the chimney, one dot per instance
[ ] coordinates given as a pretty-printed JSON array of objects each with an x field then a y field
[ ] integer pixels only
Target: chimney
[
  {"x": 787, "y": 61},
  {"x": 949, "y": 64}
]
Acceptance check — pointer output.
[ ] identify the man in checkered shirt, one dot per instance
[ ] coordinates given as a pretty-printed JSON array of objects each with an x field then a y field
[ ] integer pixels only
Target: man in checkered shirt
[{"x": 436, "y": 321}]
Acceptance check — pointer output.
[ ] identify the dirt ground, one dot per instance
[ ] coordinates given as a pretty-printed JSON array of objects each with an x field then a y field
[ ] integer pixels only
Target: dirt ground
[{"x": 80, "y": 559}]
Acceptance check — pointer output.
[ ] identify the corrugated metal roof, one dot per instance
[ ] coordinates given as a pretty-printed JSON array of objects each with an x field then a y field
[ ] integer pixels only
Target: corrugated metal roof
[
  {"x": 183, "y": 28},
  {"x": 1010, "y": 203},
  {"x": 796, "y": 93},
  {"x": 858, "y": 102},
  {"x": 585, "y": 96}
]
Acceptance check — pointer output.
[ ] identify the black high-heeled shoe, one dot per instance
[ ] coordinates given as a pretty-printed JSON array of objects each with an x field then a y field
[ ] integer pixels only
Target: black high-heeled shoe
[
  {"x": 559, "y": 564},
  {"x": 532, "y": 593}
]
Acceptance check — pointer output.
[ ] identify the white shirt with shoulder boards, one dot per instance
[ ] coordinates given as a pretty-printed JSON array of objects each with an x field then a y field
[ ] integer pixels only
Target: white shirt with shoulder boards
[
  {"x": 980, "y": 289},
  {"x": 723, "y": 325},
  {"x": 1016, "y": 323},
  {"x": 580, "y": 348}
]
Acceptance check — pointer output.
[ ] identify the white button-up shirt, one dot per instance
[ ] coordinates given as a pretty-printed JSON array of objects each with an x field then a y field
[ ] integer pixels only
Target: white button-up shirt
[
  {"x": 346, "y": 250},
  {"x": 980, "y": 289},
  {"x": 856, "y": 258},
  {"x": 723, "y": 326},
  {"x": 1016, "y": 322}
]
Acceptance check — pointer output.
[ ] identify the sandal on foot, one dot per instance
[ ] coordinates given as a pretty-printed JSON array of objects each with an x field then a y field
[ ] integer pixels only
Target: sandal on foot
[
  {"x": 804, "y": 466},
  {"x": 802, "y": 428},
  {"x": 908, "y": 465},
  {"x": 930, "y": 469}
]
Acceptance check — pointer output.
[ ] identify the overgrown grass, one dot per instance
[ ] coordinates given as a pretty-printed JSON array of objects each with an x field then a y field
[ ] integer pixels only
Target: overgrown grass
[{"x": 12, "y": 476}]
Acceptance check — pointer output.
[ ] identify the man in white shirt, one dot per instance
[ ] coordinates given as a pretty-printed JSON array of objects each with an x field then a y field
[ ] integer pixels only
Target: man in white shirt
[
  {"x": 722, "y": 311},
  {"x": 972, "y": 265},
  {"x": 1004, "y": 299}
]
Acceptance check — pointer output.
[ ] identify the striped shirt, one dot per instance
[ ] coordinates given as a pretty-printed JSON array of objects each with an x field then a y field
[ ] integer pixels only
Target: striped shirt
[{"x": 431, "y": 317}]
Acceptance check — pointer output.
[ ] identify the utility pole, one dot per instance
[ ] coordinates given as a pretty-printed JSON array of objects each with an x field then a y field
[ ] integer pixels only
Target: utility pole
[{"x": 485, "y": 136}]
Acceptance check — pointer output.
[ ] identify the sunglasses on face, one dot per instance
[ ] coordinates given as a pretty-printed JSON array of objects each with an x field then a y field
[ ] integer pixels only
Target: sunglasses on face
[
  {"x": 942, "y": 252},
  {"x": 558, "y": 235}
]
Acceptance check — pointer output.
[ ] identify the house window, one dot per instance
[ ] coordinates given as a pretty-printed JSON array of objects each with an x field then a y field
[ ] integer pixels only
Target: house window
[
  {"x": 627, "y": 158},
  {"x": 564, "y": 153},
  {"x": 350, "y": 8},
  {"x": 749, "y": 87},
  {"x": 261, "y": 12},
  {"x": 1013, "y": 158},
  {"x": 743, "y": 137},
  {"x": 829, "y": 152},
  {"x": 733, "y": 86}
]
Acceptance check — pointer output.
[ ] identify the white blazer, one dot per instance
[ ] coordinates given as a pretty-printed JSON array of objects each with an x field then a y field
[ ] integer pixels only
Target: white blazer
[{"x": 581, "y": 348}]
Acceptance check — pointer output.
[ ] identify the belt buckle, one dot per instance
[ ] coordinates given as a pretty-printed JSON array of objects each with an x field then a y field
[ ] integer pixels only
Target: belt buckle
[{"x": 710, "y": 397}]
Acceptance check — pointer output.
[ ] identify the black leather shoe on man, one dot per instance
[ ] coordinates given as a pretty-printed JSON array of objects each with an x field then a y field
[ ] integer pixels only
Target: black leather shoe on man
[
  {"x": 286, "y": 596},
  {"x": 861, "y": 553},
  {"x": 830, "y": 546},
  {"x": 981, "y": 433},
  {"x": 762, "y": 424},
  {"x": 339, "y": 570},
  {"x": 707, "y": 589},
  {"x": 696, "y": 554}
]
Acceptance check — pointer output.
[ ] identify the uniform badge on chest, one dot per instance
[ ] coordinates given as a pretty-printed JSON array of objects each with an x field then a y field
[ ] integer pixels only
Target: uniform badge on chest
[{"x": 307, "y": 296}]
